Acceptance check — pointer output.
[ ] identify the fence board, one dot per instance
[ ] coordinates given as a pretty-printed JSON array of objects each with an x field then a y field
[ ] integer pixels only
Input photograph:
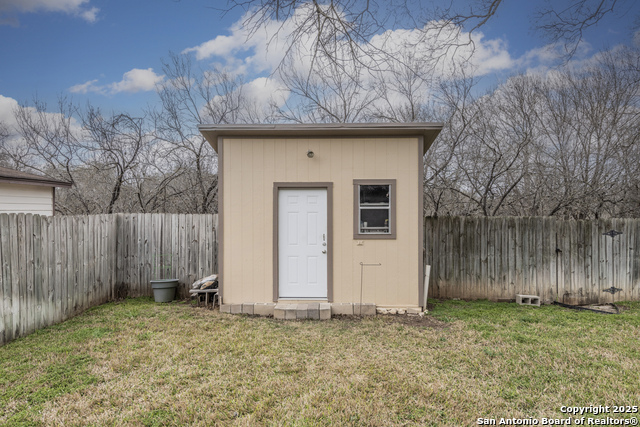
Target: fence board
[
  {"x": 5, "y": 271},
  {"x": 3, "y": 289},
  {"x": 498, "y": 258}
]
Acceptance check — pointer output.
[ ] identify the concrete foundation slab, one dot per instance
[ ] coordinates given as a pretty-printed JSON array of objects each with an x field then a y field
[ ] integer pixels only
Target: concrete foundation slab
[
  {"x": 263, "y": 309},
  {"x": 325, "y": 311},
  {"x": 313, "y": 311},
  {"x": 247, "y": 308},
  {"x": 301, "y": 311},
  {"x": 344, "y": 308}
]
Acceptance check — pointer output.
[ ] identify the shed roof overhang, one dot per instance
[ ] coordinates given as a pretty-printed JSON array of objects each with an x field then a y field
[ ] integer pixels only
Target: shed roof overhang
[
  {"x": 12, "y": 176},
  {"x": 428, "y": 131}
]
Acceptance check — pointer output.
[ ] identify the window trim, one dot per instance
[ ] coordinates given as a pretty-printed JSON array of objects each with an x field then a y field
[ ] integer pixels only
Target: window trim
[{"x": 356, "y": 209}]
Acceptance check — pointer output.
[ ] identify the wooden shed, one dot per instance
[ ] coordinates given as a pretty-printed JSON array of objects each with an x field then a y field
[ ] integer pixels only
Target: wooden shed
[
  {"x": 328, "y": 214},
  {"x": 22, "y": 192}
]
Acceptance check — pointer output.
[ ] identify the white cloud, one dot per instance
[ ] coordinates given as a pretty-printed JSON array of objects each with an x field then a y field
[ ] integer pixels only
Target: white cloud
[
  {"x": 263, "y": 50},
  {"x": 90, "y": 15},
  {"x": 78, "y": 8},
  {"x": 7, "y": 107},
  {"x": 220, "y": 46},
  {"x": 135, "y": 80},
  {"x": 263, "y": 90},
  {"x": 266, "y": 47},
  {"x": 89, "y": 86}
]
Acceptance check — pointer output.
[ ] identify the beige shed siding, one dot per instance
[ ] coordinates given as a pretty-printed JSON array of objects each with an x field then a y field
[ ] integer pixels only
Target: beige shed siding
[
  {"x": 16, "y": 198},
  {"x": 251, "y": 166}
]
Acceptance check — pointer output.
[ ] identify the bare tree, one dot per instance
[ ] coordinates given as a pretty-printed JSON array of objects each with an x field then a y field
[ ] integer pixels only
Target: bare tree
[
  {"x": 326, "y": 94},
  {"x": 588, "y": 128},
  {"x": 99, "y": 154},
  {"x": 191, "y": 97},
  {"x": 342, "y": 30},
  {"x": 5, "y": 133},
  {"x": 561, "y": 144}
]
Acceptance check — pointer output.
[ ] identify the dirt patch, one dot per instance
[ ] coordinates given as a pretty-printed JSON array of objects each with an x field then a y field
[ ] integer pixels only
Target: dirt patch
[
  {"x": 404, "y": 319},
  {"x": 414, "y": 320},
  {"x": 602, "y": 307}
]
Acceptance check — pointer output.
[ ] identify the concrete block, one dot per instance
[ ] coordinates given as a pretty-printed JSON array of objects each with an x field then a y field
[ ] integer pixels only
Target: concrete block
[
  {"x": 278, "y": 311},
  {"x": 313, "y": 311},
  {"x": 528, "y": 300},
  {"x": 341, "y": 308},
  {"x": 325, "y": 311},
  {"x": 301, "y": 311},
  {"x": 263, "y": 309},
  {"x": 247, "y": 308},
  {"x": 414, "y": 310},
  {"x": 364, "y": 309},
  {"x": 236, "y": 308},
  {"x": 290, "y": 312},
  {"x": 225, "y": 308}
]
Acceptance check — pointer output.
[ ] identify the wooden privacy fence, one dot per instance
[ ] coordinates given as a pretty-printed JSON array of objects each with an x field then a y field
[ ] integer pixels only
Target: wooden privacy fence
[
  {"x": 567, "y": 261},
  {"x": 52, "y": 268}
]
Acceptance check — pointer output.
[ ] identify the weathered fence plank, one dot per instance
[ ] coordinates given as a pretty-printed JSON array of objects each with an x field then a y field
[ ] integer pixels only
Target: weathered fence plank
[
  {"x": 5, "y": 271},
  {"x": 52, "y": 268},
  {"x": 568, "y": 261}
]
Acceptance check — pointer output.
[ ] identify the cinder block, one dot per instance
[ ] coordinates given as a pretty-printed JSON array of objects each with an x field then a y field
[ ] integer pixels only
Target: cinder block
[
  {"x": 528, "y": 300},
  {"x": 225, "y": 308},
  {"x": 313, "y": 311},
  {"x": 301, "y": 311},
  {"x": 290, "y": 312},
  {"x": 236, "y": 308},
  {"x": 414, "y": 310},
  {"x": 247, "y": 308},
  {"x": 325, "y": 311},
  {"x": 278, "y": 311},
  {"x": 364, "y": 309},
  {"x": 263, "y": 309},
  {"x": 341, "y": 308}
]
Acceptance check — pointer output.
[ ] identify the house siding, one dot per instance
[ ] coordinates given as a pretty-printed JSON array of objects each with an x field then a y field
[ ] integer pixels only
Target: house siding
[
  {"x": 252, "y": 165},
  {"x": 24, "y": 198}
]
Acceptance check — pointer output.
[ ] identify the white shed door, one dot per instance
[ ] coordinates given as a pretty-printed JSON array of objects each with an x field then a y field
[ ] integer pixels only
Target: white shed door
[{"x": 302, "y": 243}]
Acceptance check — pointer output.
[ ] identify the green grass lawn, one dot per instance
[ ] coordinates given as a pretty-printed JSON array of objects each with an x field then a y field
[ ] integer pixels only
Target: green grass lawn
[{"x": 140, "y": 363}]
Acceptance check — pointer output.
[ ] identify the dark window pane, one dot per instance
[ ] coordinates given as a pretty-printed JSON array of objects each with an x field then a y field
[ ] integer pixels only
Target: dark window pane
[
  {"x": 374, "y": 220},
  {"x": 374, "y": 194}
]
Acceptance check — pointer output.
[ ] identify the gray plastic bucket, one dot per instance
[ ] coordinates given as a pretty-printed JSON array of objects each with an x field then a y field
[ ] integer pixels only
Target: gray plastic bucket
[{"x": 164, "y": 290}]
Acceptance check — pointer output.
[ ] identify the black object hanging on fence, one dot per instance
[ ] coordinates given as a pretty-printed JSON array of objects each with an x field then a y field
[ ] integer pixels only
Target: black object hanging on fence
[
  {"x": 612, "y": 233},
  {"x": 612, "y": 290}
]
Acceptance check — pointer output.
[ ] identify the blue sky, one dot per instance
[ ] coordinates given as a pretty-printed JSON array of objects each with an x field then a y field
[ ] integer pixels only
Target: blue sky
[{"x": 110, "y": 52}]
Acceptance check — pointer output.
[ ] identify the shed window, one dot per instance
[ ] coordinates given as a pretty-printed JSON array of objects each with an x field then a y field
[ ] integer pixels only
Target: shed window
[{"x": 374, "y": 209}]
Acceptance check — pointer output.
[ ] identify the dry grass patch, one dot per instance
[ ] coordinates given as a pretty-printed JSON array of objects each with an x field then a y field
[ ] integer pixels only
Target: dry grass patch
[{"x": 140, "y": 363}]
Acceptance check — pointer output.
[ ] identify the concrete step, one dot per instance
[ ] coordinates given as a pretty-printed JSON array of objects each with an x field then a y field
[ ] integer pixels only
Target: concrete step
[
  {"x": 317, "y": 311},
  {"x": 287, "y": 311}
]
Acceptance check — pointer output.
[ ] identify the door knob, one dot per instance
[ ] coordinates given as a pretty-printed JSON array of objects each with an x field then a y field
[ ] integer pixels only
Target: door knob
[{"x": 324, "y": 251}]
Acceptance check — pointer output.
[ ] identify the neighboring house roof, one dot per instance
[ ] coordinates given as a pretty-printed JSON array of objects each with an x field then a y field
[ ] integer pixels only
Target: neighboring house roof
[
  {"x": 17, "y": 177},
  {"x": 428, "y": 131}
]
